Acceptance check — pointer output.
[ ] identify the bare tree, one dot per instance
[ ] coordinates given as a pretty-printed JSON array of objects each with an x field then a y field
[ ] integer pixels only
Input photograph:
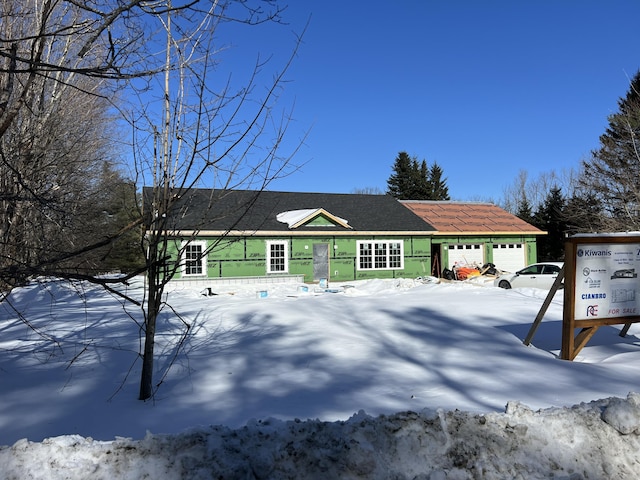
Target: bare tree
[
  {"x": 61, "y": 62},
  {"x": 61, "y": 39},
  {"x": 368, "y": 191},
  {"x": 197, "y": 135},
  {"x": 190, "y": 126},
  {"x": 56, "y": 139},
  {"x": 534, "y": 191}
]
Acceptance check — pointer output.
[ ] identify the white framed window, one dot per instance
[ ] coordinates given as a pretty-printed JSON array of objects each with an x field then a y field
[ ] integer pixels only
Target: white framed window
[
  {"x": 380, "y": 255},
  {"x": 194, "y": 259},
  {"x": 277, "y": 256}
]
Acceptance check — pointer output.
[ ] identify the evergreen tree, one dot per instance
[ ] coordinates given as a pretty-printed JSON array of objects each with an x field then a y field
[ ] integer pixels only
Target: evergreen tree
[
  {"x": 524, "y": 211},
  {"x": 438, "y": 189},
  {"x": 109, "y": 207},
  {"x": 399, "y": 184},
  {"x": 583, "y": 213},
  {"x": 550, "y": 217},
  {"x": 612, "y": 171},
  {"x": 417, "y": 183},
  {"x": 126, "y": 254},
  {"x": 423, "y": 188},
  {"x": 411, "y": 180}
]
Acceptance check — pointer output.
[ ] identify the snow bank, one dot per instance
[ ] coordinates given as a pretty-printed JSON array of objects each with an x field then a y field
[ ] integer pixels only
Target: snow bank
[
  {"x": 452, "y": 352},
  {"x": 588, "y": 441}
]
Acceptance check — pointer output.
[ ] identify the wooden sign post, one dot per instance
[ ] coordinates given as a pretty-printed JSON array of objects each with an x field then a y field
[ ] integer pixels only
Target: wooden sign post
[{"x": 601, "y": 287}]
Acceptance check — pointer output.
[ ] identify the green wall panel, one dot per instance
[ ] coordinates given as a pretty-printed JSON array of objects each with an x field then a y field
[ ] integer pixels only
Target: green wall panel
[
  {"x": 298, "y": 245},
  {"x": 345, "y": 247},
  {"x": 488, "y": 252},
  {"x": 302, "y": 267},
  {"x": 298, "y": 249},
  {"x": 213, "y": 268},
  {"x": 420, "y": 246},
  {"x": 229, "y": 250},
  {"x": 244, "y": 269},
  {"x": 172, "y": 249},
  {"x": 371, "y": 274},
  {"x": 235, "y": 257},
  {"x": 444, "y": 256},
  {"x": 416, "y": 267},
  {"x": 256, "y": 248},
  {"x": 532, "y": 252},
  {"x": 344, "y": 268},
  {"x": 321, "y": 221}
]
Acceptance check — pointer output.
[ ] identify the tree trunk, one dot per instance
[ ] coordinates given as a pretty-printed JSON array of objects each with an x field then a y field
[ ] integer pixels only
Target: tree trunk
[
  {"x": 153, "y": 309},
  {"x": 146, "y": 380}
]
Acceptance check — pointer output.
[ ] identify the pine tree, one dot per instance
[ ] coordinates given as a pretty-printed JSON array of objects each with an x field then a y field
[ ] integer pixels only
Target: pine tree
[
  {"x": 411, "y": 180},
  {"x": 438, "y": 189},
  {"x": 399, "y": 184},
  {"x": 423, "y": 188},
  {"x": 583, "y": 213},
  {"x": 612, "y": 171},
  {"x": 550, "y": 217},
  {"x": 524, "y": 211}
]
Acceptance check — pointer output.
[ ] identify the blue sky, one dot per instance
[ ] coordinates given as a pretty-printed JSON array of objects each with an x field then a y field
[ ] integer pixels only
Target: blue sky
[{"x": 484, "y": 88}]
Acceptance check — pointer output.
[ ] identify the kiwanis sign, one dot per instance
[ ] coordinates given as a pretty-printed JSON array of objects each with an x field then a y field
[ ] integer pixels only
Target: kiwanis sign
[
  {"x": 601, "y": 286},
  {"x": 606, "y": 279}
]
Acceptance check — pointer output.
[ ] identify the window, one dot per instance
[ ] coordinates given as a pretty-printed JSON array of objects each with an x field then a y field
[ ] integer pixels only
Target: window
[
  {"x": 551, "y": 269},
  {"x": 386, "y": 255},
  {"x": 531, "y": 270},
  {"x": 194, "y": 259},
  {"x": 277, "y": 257},
  {"x": 395, "y": 255}
]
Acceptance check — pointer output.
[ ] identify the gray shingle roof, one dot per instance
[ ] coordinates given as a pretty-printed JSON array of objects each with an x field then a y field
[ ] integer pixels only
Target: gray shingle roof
[{"x": 221, "y": 210}]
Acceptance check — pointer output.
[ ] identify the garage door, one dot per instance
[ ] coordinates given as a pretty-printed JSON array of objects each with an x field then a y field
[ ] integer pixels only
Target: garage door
[
  {"x": 509, "y": 257},
  {"x": 463, "y": 254}
]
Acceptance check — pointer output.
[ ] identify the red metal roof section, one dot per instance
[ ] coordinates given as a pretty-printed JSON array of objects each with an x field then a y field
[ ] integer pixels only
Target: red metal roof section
[{"x": 469, "y": 217}]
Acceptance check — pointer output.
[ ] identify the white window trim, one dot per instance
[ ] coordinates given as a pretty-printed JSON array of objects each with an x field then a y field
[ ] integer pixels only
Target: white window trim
[
  {"x": 388, "y": 250},
  {"x": 203, "y": 260},
  {"x": 286, "y": 255}
]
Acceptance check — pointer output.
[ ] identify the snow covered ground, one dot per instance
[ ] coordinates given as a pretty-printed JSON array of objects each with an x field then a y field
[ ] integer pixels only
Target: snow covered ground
[{"x": 376, "y": 379}]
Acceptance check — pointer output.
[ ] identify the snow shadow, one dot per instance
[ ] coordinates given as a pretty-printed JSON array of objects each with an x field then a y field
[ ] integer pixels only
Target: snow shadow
[
  {"x": 379, "y": 360},
  {"x": 260, "y": 366},
  {"x": 68, "y": 350},
  {"x": 548, "y": 337},
  {"x": 323, "y": 357}
]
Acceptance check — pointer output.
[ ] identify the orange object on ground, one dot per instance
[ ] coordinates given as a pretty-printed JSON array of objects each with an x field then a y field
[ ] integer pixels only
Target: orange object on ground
[{"x": 465, "y": 272}]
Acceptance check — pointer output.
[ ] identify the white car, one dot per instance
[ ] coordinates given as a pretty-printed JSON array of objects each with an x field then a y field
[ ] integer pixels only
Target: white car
[{"x": 538, "y": 275}]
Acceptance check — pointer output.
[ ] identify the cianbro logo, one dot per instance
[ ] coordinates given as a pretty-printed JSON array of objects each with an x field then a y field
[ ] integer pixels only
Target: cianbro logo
[
  {"x": 592, "y": 311},
  {"x": 588, "y": 252}
]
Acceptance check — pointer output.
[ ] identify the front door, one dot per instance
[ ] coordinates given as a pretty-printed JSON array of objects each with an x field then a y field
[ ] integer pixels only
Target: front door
[{"x": 320, "y": 261}]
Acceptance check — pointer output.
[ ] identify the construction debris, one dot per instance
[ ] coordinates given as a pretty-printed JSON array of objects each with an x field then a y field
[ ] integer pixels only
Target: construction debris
[{"x": 488, "y": 272}]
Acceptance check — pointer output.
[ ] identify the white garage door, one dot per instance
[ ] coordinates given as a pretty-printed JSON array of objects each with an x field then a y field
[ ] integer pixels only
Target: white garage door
[
  {"x": 472, "y": 254},
  {"x": 509, "y": 257}
]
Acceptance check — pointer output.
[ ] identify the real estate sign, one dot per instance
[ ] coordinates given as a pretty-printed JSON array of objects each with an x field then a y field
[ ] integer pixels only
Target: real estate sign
[
  {"x": 601, "y": 286},
  {"x": 606, "y": 280}
]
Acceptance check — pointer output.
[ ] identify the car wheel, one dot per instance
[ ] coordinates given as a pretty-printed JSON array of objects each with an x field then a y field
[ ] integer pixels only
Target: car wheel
[{"x": 504, "y": 284}]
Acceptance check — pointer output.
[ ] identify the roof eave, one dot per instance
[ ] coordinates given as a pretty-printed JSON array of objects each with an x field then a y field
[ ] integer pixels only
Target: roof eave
[
  {"x": 486, "y": 232},
  {"x": 290, "y": 233}
]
